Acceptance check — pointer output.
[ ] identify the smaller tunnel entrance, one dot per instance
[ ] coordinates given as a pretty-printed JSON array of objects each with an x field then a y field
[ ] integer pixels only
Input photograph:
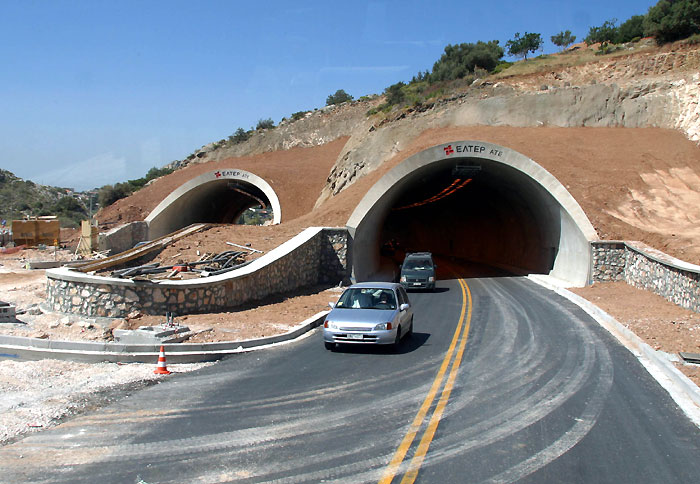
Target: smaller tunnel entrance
[{"x": 223, "y": 196}]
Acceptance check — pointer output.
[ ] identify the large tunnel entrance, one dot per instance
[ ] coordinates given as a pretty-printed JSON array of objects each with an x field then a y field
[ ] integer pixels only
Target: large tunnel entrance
[
  {"x": 493, "y": 209},
  {"x": 223, "y": 196}
]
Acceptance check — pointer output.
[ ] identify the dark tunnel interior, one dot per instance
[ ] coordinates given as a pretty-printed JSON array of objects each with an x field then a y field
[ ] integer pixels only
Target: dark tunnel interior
[
  {"x": 486, "y": 218},
  {"x": 227, "y": 203}
]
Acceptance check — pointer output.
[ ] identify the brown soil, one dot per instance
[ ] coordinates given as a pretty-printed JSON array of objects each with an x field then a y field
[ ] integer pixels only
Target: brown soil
[
  {"x": 297, "y": 176},
  {"x": 634, "y": 184},
  {"x": 661, "y": 324}
]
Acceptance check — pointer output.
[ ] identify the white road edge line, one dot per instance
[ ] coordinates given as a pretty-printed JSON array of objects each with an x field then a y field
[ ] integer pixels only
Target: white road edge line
[{"x": 681, "y": 388}]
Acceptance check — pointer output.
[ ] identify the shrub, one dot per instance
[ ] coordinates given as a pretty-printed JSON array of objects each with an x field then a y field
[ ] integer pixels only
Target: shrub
[
  {"x": 239, "y": 136},
  {"x": 631, "y": 29},
  {"x": 265, "y": 124},
  {"x": 502, "y": 66},
  {"x": 460, "y": 60},
  {"x": 606, "y": 33},
  {"x": 395, "y": 93},
  {"x": 109, "y": 194},
  {"x": 299, "y": 115},
  {"x": 340, "y": 96},
  {"x": 693, "y": 39}
]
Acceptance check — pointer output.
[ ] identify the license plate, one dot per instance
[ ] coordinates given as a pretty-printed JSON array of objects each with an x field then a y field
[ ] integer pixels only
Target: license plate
[
  {"x": 416, "y": 283},
  {"x": 354, "y": 336}
]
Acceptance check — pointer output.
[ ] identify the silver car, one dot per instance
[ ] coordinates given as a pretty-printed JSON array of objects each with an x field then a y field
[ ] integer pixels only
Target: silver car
[{"x": 369, "y": 313}]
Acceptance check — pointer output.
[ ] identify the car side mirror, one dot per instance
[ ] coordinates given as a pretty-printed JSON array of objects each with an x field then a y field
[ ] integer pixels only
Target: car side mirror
[
  {"x": 332, "y": 305},
  {"x": 404, "y": 307}
]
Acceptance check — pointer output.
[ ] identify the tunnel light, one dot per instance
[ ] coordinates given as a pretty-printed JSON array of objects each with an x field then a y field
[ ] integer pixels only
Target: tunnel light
[
  {"x": 466, "y": 171},
  {"x": 458, "y": 184}
]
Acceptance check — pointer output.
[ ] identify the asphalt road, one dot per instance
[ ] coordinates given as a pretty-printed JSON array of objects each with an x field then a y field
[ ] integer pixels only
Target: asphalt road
[{"x": 503, "y": 381}]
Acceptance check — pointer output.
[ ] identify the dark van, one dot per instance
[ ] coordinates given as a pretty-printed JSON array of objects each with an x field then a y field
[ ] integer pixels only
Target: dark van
[{"x": 418, "y": 271}]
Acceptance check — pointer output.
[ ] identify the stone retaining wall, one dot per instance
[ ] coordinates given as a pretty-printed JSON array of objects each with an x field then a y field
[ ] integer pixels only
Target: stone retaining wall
[
  {"x": 315, "y": 256},
  {"x": 646, "y": 268}
]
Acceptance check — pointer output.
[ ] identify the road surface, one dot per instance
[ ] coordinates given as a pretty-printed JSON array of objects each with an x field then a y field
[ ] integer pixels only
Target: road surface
[{"x": 502, "y": 381}]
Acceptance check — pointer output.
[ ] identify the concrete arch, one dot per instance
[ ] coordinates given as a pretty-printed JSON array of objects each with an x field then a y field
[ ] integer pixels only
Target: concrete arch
[
  {"x": 531, "y": 220},
  {"x": 189, "y": 203}
]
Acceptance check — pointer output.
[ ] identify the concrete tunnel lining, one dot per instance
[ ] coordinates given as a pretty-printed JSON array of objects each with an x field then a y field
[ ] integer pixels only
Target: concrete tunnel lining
[
  {"x": 566, "y": 230},
  {"x": 185, "y": 204}
]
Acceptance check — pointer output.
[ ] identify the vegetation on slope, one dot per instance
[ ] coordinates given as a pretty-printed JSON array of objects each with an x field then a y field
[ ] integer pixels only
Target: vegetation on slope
[{"x": 20, "y": 199}]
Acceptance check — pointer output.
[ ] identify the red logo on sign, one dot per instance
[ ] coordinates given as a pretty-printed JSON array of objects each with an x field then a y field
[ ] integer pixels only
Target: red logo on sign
[
  {"x": 217, "y": 174},
  {"x": 448, "y": 150}
]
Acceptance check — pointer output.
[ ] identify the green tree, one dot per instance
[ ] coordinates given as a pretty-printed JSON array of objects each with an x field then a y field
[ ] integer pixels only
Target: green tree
[
  {"x": 671, "y": 20},
  {"x": 239, "y": 136},
  {"x": 460, "y": 60},
  {"x": 606, "y": 33},
  {"x": 265, "y": 124},
  {"x": 563, "y": 39},
  {"x": 632, "y": 28},
  {"x": 109, "y": 194},
  {"x": 395, "y": 94},
  {"x": 520, "y": 46},
  {"x": 340, "y": 96}
]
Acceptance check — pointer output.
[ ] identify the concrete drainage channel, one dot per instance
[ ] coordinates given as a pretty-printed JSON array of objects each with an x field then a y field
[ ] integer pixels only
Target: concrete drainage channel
[{"x": 22, "y": 348}]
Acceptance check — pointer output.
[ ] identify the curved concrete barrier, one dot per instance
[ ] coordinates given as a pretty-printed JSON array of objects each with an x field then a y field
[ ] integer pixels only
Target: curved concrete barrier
[{"x": 21, "y": 348}]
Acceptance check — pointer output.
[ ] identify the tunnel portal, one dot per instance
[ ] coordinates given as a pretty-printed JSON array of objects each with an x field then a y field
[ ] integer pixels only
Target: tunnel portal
[
  {"x": 221, "y": 196},
  {"x": 492, "y": 209}
]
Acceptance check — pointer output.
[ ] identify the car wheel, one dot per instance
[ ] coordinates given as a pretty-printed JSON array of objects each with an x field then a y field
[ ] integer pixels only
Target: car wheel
[
  {"x": 397, "y": 341},
  {"x": 329, "y": 346}
]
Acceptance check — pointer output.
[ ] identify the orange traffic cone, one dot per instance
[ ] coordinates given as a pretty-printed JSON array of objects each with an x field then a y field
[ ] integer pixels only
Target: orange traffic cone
[{"x": 161, "y": 369}]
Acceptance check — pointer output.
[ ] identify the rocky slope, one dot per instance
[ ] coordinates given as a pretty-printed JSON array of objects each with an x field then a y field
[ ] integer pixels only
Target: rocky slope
[
  {"x": 648, "y": 88},
  {"x": 633, "y": 184}
]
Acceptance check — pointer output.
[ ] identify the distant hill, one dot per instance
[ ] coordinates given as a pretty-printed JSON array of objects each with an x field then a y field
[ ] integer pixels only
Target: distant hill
[{"x": 20, "y": 198}]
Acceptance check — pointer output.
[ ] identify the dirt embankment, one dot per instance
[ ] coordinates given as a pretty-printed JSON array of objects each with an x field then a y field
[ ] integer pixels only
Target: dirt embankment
[
  {"x": 587, "y": 128},
  {"x": 297, "y": 176}
]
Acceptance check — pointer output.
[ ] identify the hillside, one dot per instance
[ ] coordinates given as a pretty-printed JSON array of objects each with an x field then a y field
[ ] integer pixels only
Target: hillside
[
  {"x": 619, "y": 131},
  {"x": 20, "y": 198}
]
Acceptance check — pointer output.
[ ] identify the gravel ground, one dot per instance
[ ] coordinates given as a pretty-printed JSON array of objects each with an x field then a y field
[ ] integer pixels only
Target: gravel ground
[{"x": 40, "y": 394}]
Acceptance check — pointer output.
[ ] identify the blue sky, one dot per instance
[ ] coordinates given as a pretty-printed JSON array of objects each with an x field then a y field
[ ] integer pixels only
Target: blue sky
[{"x": 97, "y": 92}]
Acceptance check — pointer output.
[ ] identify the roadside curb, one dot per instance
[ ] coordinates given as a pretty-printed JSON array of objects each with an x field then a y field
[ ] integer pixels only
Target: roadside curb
[
  {"x": 685, "y": 393},
  {"x": 23, "y": 348}
]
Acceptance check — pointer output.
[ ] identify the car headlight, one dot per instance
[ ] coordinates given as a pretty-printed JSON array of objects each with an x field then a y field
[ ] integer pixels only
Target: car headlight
[
  {"x": 330, "y": 325},
  {"x": 383, "y": 327},
  {"x": 431, "y": 279},
  {"x": 403, "y": 279}
]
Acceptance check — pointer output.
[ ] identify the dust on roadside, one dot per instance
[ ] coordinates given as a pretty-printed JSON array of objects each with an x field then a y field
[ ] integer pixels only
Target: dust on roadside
[{"x": 659, "y": 323}]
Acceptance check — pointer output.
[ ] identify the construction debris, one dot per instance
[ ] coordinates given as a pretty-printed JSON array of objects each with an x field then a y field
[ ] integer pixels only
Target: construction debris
[
  {"x": 140, "y": 250},
  {"x": 690, "y": 357},
  {"x": 7, "y": 313},
  {"x": 245, "y": 247},
  {"x": 206, "y": 266}
]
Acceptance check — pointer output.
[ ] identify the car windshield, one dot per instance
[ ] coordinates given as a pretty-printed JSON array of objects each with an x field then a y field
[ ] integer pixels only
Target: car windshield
[
  {"x": 367, "y": 298},
  {"x": 418, "y": 264}
]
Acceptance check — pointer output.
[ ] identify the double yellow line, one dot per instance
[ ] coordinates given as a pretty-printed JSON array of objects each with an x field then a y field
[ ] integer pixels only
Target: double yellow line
[{"x": 460, "y": 338}]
